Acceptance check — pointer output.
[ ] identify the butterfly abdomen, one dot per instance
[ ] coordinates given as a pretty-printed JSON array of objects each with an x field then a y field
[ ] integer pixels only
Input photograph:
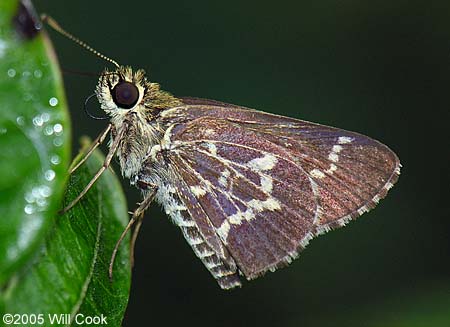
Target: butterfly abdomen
[{"x": 224, "y": 269}]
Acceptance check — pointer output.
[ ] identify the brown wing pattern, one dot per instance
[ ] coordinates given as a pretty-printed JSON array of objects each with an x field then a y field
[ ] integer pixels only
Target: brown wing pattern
[{"x": 268, "y": 184}]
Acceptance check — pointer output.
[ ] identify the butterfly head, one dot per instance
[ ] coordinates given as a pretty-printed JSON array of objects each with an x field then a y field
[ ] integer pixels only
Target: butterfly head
[
  {"x": 124, "y": 90},
  {"x": 121, "y": 90}
]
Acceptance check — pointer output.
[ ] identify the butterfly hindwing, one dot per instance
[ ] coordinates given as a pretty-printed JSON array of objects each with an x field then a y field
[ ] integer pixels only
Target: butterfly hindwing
[
  {"x": 260, "y": 215},
  {"x": 267, "y": 184}
]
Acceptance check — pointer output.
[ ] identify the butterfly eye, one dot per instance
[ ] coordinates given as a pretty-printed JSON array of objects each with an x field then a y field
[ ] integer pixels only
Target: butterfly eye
[{"x": 125, "y": 95}]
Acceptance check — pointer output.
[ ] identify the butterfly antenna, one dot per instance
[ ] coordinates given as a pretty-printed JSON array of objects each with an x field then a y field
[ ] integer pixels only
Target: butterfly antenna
[{"x": 54, "y": 24}]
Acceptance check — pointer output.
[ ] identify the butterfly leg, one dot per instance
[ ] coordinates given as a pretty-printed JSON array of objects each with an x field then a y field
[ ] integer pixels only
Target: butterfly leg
[
  {"x": 99, "y": 140},
  {"x": 105, "y": 166},
  {"x": 136, "y": 217},
  {"x": 151, "y": 188}
]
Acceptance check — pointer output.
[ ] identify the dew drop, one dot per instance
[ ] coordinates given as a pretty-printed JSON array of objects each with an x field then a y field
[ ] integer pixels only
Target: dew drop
[
  {"x": 48, "y": 130},
  {"x": 37, "y": 73},
  {"x": 57, "y": 141},
  {"x": 38, "y": 121},
  {"x": 45, "y": 191},
  {"x": 53, "y": 101},
  {"x": 55, "y": 159},
  {"x": 27, "y": 97},
  {"x": 20, "y": 121},
  {"x": 29, "y": 197},
  {"x": 49, "y": 175},
  {"x": 3, "y": 130},
  {"x": 35, "y": 192},
  {"x": 41, "y": 202},
  {"x": 26, "y": 74},
  {"x": 29, "y": 209},
  {"x": 11, "y": 72},
  {"x": 57, "y": 128},
  {"x": 45, "y": 116}
]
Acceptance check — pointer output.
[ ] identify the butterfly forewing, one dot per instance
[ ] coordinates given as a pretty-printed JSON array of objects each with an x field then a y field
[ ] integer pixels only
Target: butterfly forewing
[{"x": 264, "y": 185}]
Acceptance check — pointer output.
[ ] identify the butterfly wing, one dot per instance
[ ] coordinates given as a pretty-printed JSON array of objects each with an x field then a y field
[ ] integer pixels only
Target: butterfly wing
[{"x": 267, "y": 184}]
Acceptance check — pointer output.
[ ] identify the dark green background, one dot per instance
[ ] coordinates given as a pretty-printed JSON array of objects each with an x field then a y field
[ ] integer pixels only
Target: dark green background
[{"x": 381, "y": 68}]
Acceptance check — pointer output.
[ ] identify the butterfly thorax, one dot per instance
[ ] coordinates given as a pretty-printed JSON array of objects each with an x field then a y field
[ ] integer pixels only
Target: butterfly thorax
[{"x": 134, "y": 106}]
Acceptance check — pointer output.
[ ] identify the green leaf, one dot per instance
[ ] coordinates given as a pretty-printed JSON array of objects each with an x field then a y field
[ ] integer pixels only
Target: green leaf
[
  {"x": 70, "y": 273},
  {"x": 51, "y": 264},
  {"x": 34, "y": 142}
]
